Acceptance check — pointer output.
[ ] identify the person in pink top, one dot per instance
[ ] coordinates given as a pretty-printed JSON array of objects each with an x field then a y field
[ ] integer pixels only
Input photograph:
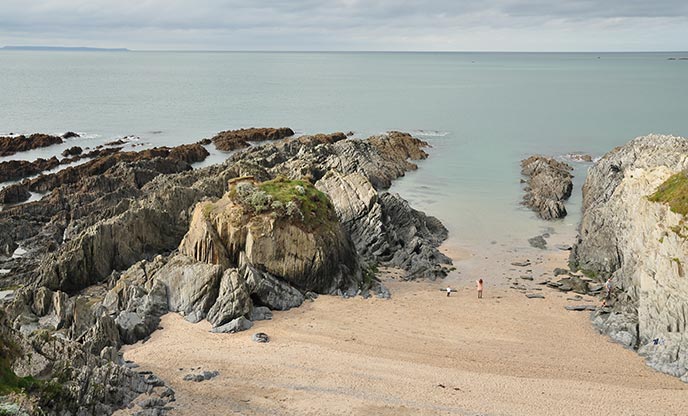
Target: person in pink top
[{"x": 479, "y": 284}]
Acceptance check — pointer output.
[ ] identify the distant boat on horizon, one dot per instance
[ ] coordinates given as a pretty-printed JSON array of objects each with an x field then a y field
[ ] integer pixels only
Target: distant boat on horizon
[{"x": 63, "y": 48}]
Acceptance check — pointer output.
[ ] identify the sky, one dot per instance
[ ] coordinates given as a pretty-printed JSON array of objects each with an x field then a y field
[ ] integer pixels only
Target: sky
[{"x": 389, "y": 25}]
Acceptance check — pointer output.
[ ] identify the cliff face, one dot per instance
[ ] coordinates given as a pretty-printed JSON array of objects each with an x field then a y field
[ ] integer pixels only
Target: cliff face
[{"x": 641, "y": 243}]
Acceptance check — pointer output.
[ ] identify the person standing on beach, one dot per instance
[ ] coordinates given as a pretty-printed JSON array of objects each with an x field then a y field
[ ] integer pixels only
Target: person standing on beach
[
  {"x": 448, "y": 291},
  {"x": 479, "y": 284}
]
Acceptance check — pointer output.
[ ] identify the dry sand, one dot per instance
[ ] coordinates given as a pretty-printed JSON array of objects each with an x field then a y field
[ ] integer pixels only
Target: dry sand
[{"x": 419, "y": 353}]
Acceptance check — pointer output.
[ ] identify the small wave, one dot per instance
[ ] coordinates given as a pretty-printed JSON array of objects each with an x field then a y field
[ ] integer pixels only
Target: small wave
[
  {"x": 430, "y": 133},
  {"x": 579, "y": 157}
]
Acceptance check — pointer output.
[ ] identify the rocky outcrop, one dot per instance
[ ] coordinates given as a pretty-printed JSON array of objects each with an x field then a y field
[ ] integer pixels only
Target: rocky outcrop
[
  {"x": 72, "y": 151},
  {"x": 640, "y": 242},
  {"x": 105, "y": 252},
  {"x": 277, "y": 239},
  {"x": 12, "y": 144},
  {"x": 18, "y": 169},
  {"x": 385, "y": 229},
  {"x": 549, "y": 183},
  {"x": 239, "y": 139}
]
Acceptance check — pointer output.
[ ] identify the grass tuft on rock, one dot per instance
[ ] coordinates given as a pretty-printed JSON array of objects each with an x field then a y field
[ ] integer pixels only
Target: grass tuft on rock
[
  {"x": 315, "y": 207},
  {"x": 673, "y": 192},
  {"x": 295, "y": 200}
]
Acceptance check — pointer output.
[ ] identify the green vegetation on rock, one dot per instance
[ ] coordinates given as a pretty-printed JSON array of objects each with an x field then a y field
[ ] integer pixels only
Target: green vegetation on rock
[
  {"x": 9, "y": 382},
  {"x": 294, "y": 199},
  {"x": 673, "y": 192}
]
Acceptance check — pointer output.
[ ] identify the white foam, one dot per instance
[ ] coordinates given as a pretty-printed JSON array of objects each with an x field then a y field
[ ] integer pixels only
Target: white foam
[
  {"x": 430, "y": 133},
  {"x": 5, "y": 271}
]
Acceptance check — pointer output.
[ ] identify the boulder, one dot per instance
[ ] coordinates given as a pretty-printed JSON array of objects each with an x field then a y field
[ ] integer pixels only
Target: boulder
[
  {"x": 237, "y": 325},
  {"x": 192, "y": 287}
]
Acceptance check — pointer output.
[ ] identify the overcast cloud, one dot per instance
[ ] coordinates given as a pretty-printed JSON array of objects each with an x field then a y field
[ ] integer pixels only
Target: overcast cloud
[{"x": 530, "y": 25}]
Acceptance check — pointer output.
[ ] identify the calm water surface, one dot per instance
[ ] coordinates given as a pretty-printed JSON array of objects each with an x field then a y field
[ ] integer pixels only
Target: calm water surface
[{"x": 482, "y": 112}]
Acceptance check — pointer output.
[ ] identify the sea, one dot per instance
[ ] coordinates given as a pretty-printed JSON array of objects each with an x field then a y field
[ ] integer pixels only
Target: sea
[{"x": 481, "y": 112}]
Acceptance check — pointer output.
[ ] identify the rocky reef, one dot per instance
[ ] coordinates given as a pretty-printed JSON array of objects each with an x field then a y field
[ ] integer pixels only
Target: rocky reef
[
  {"x": 549, "y": 183},
  {"x": 119, "y": 241},
  {"x": 634, "y": 230},
  {"x": 10, "y": 145},
  {"x": 239, "y": 139}
]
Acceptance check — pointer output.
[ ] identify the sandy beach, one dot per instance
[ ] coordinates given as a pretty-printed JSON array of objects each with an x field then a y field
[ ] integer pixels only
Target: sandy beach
[{"x": 419, "y": 353}]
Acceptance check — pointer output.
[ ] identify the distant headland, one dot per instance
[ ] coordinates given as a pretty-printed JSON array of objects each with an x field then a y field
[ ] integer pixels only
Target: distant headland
[{"x": 63, "y": 48}]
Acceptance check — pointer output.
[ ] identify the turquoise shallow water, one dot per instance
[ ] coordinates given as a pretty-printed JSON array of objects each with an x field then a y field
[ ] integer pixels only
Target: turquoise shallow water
[{"x": 482, "y": 112}]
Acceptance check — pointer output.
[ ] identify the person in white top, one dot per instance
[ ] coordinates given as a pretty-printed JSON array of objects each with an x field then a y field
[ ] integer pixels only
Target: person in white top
[{"x": 448, "y": 291}]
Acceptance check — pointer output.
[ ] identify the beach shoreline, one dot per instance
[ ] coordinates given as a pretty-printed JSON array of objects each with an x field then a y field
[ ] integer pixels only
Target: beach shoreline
[{"x": 419, "y": 352}]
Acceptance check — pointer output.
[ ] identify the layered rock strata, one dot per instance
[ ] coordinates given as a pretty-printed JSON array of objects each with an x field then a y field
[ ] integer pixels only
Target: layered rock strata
[{"x": 636, "y": 236}]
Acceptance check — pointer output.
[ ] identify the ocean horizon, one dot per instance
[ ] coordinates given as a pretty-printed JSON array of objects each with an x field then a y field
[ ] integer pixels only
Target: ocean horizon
[{"x": 482, "y": 112}]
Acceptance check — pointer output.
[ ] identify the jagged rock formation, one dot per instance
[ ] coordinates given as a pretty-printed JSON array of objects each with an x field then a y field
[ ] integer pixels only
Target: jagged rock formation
[
  {"x": 17, "y": 169},
  {"x": 641, "y": 243},
  {"x": 12, "y": 144},
  {"x": 101, "y": 265},
  {"x": 72, "y": 151},
  {"x": 239, "y": 139},
  {"x": 548, "y": 184}
]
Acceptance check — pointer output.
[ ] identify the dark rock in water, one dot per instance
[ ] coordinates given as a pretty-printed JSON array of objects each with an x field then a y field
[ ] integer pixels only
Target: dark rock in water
[
  {"x": 70, "y": 135},
  {"x": 261, "y": 337},
  {"x": 18, "y": 169},
  {"x": 237, "y": 325},
  {"x": 549, "y": 184},
  {"x": 118, "y": 142},
  {"x": 14, "y": 194},
  {"x": 534, "y": 296},
  {"x": 73, "y": 151},
  {"x": 12, "y": 145},
  {"x": 238, "y": 139},
  {"x": 538, "y": 242}
]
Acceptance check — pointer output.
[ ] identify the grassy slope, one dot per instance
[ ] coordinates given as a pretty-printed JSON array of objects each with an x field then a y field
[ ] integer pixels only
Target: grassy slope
[{"x": 673, "y": 192}]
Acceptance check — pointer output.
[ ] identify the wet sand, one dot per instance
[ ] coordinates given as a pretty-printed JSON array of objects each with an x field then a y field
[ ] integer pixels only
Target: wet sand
[{"x": 419, "y": 353}]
